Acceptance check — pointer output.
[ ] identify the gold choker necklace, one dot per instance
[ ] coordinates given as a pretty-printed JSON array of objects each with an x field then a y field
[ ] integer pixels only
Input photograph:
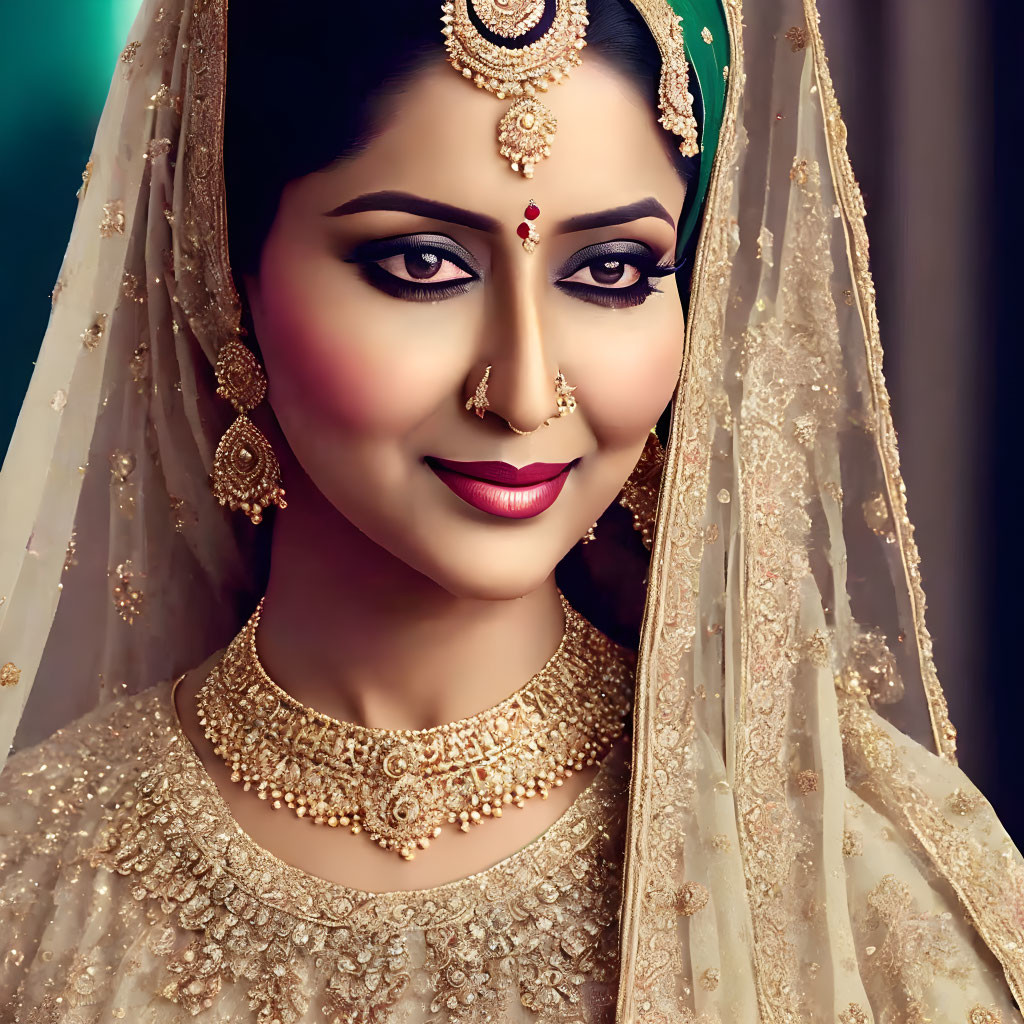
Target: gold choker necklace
[{"x": 400, "y": 786}]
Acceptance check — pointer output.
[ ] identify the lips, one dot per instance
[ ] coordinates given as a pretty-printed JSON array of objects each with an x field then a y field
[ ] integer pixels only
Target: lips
[{"x": 502, "y": 489}]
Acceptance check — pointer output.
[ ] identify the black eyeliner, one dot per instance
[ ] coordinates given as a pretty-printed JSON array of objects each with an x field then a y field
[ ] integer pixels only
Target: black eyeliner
[
  {"x": 379, "y": 249},
  {"x": 624, "y": 251}
]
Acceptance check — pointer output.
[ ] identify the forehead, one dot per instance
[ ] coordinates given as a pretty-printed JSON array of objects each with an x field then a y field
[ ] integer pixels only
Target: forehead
[{"x": 438, "y": 138}]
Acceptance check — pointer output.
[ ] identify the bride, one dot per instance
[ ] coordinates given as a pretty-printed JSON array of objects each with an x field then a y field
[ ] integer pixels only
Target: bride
[{"x": 453, "y": 560}]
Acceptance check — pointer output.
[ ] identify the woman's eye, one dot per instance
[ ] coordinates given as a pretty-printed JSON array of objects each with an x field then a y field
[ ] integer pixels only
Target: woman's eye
[
  {"x": 425, "y": 265},
  {"x": 606, "y": 273}
]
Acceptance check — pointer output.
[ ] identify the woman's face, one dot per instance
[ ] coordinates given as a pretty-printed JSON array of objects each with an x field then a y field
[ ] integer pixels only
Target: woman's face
[{"x": 391, "y": 281}]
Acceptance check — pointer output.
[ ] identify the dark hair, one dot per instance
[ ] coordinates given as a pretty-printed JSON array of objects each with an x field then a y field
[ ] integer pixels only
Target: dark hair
[{"x": 307, "y": 84}]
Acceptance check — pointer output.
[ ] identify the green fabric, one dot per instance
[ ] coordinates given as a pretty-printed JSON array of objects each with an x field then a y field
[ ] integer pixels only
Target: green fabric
[{"x": 708, "y": 62}]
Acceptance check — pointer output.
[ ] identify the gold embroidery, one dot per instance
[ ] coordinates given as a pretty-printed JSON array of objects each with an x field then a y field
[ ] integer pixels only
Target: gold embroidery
[
  {"x": 156, "y": 148},
  {"x": 851, "y": 208},
  {"x": 93, "y": 334},
  {"x": 533, "y": 930},
  {"x": 989, "y": 882},
  {"x": 710, "y": 978},
  {"x": 130, "y": 287},
  {"x": 963, "y": 803},
  {"x": 113, "y": 219},
  {"x": 86, "y": 177},
  {"x": 853, "y": 843},
  {"x": 10, "y": 674},
  {"x": 182, "y": 514},
  {"x": 807, "y": 782},
  {"x": 71, "y": 554},
  {"x": 984, "y": 1015},
  {"x": 797, "y": 37},
  {"x": 129, "y": 52},
  {"x": 876, "y": 515},
  {"x": 127, "y": 594},
  {"x": 140, "y": 365},
  {"x": 854, "y": 1014},
  {"x": 662, "y": 786},
  {"x": 870, "y": 670},
  {"x": 691, "y": 898}
]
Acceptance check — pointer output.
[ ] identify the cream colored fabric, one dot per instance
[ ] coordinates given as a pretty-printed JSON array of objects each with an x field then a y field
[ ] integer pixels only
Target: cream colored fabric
[
  {"x": 785, "y": 683},
  {"x": 130, "y": 894}
]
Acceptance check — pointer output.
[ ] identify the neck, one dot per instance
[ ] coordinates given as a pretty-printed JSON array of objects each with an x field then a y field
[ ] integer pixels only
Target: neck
[{"x": 355, "y": 633}]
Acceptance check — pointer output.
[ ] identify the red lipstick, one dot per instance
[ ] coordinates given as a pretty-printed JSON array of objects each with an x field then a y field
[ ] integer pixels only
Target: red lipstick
[{"x": 502, "y": 489}]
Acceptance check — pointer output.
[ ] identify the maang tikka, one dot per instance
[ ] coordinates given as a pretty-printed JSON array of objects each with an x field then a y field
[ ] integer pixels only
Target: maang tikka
[
  {"x": 520, "y": 72},
  {"x": 246, "y": 474}
]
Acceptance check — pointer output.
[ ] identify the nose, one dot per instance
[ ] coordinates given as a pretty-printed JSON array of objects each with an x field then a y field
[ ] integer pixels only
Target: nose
[{"x": 521, "y": 383}]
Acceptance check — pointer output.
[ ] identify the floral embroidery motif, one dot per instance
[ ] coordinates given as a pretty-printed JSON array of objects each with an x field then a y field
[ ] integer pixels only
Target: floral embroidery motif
[
  {"x": 854, "y": 1014},
  {"x": 984, "y": 1015},
  {"x": 797, "y": 38}
]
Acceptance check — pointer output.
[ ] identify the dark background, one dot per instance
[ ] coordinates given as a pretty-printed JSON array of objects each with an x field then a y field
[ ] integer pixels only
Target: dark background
[{"x": 933, "y": 98}]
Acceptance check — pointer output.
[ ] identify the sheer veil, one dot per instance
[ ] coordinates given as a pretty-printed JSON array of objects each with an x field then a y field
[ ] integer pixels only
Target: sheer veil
[{"x": 790, "y": 731}]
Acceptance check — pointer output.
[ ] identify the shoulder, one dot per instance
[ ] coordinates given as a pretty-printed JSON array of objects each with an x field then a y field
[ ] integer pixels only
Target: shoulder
[{"x": 46, "y": 789}]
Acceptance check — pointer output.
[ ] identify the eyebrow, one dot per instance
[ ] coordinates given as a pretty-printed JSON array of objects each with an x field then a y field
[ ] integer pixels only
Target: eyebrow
[
  {"x": 649, "y": 207},
  {"x": 406, "y": 202}
]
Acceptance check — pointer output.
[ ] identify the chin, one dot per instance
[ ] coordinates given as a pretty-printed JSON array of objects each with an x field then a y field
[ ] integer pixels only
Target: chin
[{"x": 490, "y": 569}]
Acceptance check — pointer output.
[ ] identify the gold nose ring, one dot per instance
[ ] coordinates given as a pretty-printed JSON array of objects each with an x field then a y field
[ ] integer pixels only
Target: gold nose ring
[
  {"x": 564, "y": 396},
  {"x": 565, "y": 401},
  {"x": 478, "y": 403}
]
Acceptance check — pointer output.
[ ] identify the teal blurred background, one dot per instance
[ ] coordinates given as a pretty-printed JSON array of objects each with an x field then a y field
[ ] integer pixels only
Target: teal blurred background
[{"x": 57, "y": 61}]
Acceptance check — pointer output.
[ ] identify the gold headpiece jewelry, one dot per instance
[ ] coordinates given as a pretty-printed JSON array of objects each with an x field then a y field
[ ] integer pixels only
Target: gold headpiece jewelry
[
  {"x": 399, "y": 786},
  {"x": 527, "y": 129}
]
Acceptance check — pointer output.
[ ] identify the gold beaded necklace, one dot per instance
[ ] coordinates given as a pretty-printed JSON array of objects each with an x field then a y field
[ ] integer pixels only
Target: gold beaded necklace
[{"x": 400, "y": 786}]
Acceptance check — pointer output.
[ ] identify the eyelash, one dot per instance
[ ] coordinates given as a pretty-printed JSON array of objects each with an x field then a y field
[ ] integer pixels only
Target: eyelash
[
  {"x": 619, "y": 298},
  {"x": 370, "y": 257}
]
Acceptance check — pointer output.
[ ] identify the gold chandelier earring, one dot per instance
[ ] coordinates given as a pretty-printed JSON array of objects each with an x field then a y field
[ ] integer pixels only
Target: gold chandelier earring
[
  {"x": 246, "y": 474},
  {"x": 639, "y": 493}
]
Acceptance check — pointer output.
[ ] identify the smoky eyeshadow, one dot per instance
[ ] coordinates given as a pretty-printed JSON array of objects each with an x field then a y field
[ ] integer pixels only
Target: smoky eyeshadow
[
  {"x": 626, "y": 250},
  {"x": 377, "y": 249}
]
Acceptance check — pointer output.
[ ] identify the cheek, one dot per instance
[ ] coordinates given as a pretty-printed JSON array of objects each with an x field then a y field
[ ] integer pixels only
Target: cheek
[
  {"x": 631, "y": 375},
  {"x": 338, "y": 356}
]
